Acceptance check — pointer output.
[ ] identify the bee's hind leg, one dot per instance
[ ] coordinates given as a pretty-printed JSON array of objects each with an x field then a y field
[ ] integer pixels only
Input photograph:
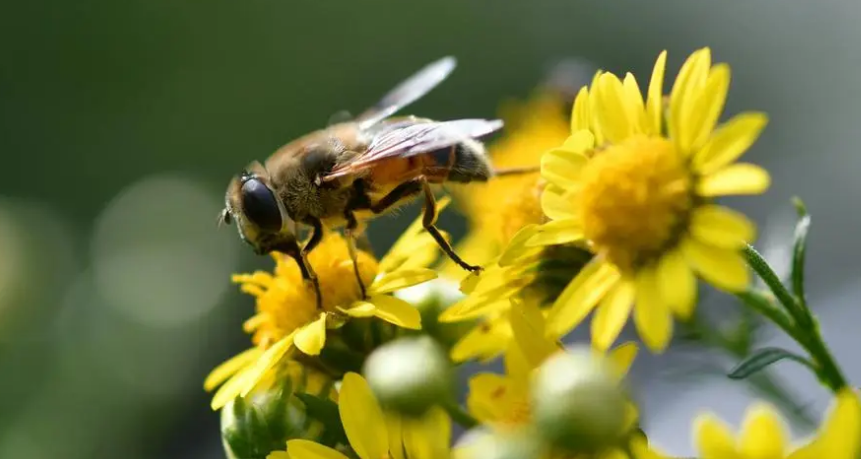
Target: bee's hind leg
[
  {"x": 429, "y": 223},
  {"x": 351, "y": 236},
  {"x": 301, "y": 257}
]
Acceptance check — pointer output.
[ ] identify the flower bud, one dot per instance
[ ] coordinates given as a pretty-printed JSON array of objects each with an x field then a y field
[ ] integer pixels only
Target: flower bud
[
  {"x": 409, "y": 375},
  {"x": 431, "y": 299},
  {"x": 578, "y": 401}
]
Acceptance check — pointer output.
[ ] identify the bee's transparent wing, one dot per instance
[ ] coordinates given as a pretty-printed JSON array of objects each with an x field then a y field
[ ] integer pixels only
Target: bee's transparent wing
[
  {"x": 404, "y": 139},
  {"x": 410, "y": 90}
]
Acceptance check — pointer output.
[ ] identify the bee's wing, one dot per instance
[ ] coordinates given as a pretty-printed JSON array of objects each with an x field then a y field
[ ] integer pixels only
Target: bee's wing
[
  {"x": 406, "y": 139},
  {"x": 410, "y": 90}
]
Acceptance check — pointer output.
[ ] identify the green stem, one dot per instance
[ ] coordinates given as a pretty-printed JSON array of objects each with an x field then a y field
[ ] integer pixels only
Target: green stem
[
  {"x": 799, "y": 324},
  {"x": 459, "y": 415}
]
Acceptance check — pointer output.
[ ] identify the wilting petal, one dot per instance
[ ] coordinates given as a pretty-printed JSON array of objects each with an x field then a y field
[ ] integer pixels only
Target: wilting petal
[
  {"x": 655, "y": 101},
  {"x": 651, "y": 315},
  {"x": 311, "y": 338},
  {"x": 397, "y": 311},
  {"x": 611, "y": 314},
  {"x": 721, "y": 227},
  {"x": 725, "y": 269},
  {"x": 736, "y": 179},
  {"x": 362, "y": 418},
  {"x": 677, "y": 284},
  {"x": 580, "y": 296},
  {"x": 729, "y": 142},
  {"x": 307, "y": 449},
  {"x": 229, "y": 368}
]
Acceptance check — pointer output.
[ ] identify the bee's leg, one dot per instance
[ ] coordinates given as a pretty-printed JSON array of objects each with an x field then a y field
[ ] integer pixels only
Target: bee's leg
[
  {"x": 429, "y": 221},
  {"x": 350, "y": 232},
  {"x": 308, "y": 273},
  {"x": 398, "y": 194}
]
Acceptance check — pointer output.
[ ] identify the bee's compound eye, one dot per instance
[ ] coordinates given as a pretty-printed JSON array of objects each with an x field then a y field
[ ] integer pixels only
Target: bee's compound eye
[{"x": 260, "y": 206}]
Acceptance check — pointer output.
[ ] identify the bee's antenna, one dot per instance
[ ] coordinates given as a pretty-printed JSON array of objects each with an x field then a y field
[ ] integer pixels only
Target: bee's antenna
[{"x": 516, "y": 171}]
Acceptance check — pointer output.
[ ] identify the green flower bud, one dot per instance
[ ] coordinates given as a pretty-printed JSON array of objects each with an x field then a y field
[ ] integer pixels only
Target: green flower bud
[
  {"x": 254, "y": 426},
  {"x": 431, "y": 299},
  {"x": 517, "y": 444},
  {"x": 579, "y": 402},
  {"x": 409, "y": 375}
]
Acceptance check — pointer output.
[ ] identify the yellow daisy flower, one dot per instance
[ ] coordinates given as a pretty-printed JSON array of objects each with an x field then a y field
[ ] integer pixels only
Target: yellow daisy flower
[
  {"x": 637, "y": 184},
  {"x": 287, "y": 315},
  {"x": 496, "y": 210},
  {"x": 764, "y": 436},
  {"x": 374, "y": 434}
]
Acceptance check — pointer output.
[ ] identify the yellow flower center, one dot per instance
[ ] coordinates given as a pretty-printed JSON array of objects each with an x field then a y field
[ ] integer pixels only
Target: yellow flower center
[
  {"x": 635, "y": 200},
  {"x": 285, "y": 302},
  {"x": 519, "y": 206}
]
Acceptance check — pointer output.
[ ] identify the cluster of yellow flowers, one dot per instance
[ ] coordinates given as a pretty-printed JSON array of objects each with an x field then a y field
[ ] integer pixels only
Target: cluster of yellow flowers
[{"x": 620, "y": 221}]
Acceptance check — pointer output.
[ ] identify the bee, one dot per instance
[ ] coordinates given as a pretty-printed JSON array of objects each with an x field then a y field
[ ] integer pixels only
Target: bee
[{"x": 353, "y": 171}]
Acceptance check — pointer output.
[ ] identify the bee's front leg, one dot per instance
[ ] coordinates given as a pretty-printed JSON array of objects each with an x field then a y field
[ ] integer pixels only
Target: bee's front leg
[{"x": 350, "y": 232}]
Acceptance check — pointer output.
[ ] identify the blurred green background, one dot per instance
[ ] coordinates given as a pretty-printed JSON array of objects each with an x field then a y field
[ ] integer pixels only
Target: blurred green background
[{"x": 121, "y": 123}]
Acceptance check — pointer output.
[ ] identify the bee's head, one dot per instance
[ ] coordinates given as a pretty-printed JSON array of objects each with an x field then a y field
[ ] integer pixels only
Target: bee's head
[{"x": 259, "y": 214}]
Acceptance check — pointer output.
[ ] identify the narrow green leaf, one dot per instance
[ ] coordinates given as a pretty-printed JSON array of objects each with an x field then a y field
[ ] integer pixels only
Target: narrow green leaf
[
  {"x": 799, "y": 250},
  {"x": 762, "y": 358}
]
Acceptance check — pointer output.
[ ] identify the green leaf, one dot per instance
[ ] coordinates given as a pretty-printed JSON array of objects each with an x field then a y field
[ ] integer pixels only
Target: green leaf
[
  {"x": 762, "y": 358},
  {"x": 799, "y": 250},
  {"x": 325, "y": 411}
]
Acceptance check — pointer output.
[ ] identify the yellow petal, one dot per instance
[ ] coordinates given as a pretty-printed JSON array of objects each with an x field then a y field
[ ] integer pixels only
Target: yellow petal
[
  {"x": 401, "y": 278},
  {"x": 721, "y": 227},
  {"x": 708, "y": 107},
  {"x": 580, "y": 296},
  {"x": 763, "y": 434},
  {"x": 473, "y": 308},
  {"x": 713, "y": 438},
  {"x": 677, "y": 284},
  {"x": 230, "y": 389},
  {"x": 622, "y": 357},
  {"x": 266, "y": 362},
  {"x": 278, "y": 455},
  {"x": 307, "y": 449},
  {"x": 651, "y": 315},
  {"x": 725, "y": 269},
  {"x": 362, "y": 418},
  {"x": 613, "y": 113},
  {"x": 840, "y": 434},
  {"x": 736, "y": 179},
  {"x": 557, "y": 232},
  {"x": 360, "y": 309},
  {"x": 403, "y": 249},
  {"x": 729, "y": 142},
  {"x": 562, "y": 167},
  {"x": 527, "y": 325},
  {"x": 580, "y": 111},
  {"x": 429, "y": 436},
  {"x": 634, "y": 102},
  {"x": 611, "y": 315},
  {"x": 311, "y": 338},
  {"x": 394, "y": 425},
  {"x": 655, "y": 101},
  {"x": 557, "y": 204},
  {"x": 579, "y": 142},
  {"x": 641, "y": 449},
  {"x": 483, "y": 399},
  {"x": 484, "y": 341},
  {"x": 227, "y": 369},
  {"x": 686, "y": 90},
  {"x": 397, "y": 311},
  {"x": 594, "y": 106},
  {"x": 516, "y": 247}
]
